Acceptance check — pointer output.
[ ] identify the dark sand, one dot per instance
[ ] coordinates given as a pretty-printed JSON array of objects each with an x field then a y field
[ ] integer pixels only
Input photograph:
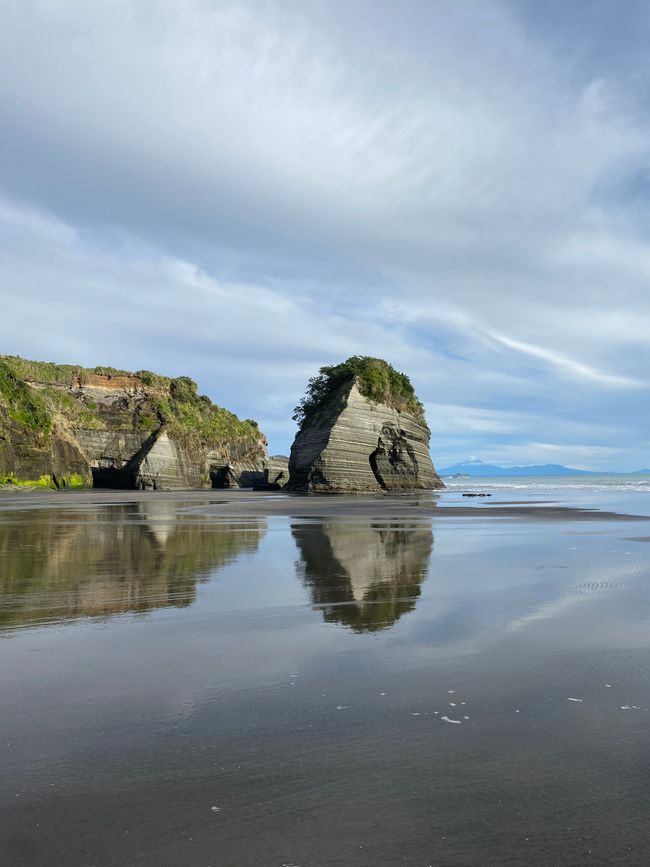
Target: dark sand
[
  {"x": 228, "y": 678},
  {"x": 230, "y": 503}
]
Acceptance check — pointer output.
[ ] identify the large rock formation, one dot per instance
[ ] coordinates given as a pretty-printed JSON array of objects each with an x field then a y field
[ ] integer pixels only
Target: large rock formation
[
  {"x": 64, "y": 426},
  {"x": 276, "y": 475},
  {"x": 350, "y": 441}
]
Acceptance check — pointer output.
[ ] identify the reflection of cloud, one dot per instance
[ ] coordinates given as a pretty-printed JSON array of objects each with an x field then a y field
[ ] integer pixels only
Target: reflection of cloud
[
  {"x": 364, "y": 575},
  {"x": 548, "y": 611},
  {"x": 607, "y": 581},
  {"x": 133, "y": 557}
]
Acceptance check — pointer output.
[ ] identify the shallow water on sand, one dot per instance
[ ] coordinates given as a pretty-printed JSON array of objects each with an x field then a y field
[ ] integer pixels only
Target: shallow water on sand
[{"x": 184, "y": 687}]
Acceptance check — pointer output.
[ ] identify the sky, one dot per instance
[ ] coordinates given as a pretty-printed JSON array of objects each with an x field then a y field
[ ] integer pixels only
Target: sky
[{"x": 242, "y": 192}]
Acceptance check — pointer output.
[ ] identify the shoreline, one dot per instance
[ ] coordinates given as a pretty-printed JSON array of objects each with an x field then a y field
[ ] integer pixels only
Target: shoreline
[{"x": 243, "y": 503}]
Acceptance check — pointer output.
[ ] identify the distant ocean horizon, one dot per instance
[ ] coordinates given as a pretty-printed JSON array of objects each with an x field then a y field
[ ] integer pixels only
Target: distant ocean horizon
[{"x": 632, "y": 482}]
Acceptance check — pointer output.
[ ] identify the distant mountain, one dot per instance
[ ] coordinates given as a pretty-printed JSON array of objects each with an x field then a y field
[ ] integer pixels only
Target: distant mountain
[{"x": 475, "y": 467}]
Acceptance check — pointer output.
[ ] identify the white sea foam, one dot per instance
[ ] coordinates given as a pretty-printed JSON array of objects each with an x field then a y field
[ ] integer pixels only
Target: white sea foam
[{"x": 616, "y": 482}]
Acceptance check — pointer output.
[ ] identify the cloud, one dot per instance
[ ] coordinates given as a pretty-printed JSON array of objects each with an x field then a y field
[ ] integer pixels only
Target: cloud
[
  {"x": 246, "y": 191},
  {"x": 572, "y": 367}
]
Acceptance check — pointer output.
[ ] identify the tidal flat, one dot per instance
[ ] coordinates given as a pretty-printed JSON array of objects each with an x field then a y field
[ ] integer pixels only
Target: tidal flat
[{"x": 229, "y": 678}]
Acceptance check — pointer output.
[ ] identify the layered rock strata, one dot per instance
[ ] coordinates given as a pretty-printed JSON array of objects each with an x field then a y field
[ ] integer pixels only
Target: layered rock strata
[
  {"x": 62, "y": 426},
  {"x": 276, "y": 475},
  {"x": 353, "y": 444}
]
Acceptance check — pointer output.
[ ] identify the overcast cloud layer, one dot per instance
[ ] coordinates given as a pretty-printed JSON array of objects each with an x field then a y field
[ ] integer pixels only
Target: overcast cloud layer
[{"x": 244, "y": 192}]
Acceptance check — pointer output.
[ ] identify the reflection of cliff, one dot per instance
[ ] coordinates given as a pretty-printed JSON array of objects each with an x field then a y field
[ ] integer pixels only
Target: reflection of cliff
[
  {"x": 126, "y": 558},
  {"x": 364, "y": 575}
]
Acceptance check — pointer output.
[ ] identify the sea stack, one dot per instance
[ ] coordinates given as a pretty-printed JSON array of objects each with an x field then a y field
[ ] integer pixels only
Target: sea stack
[{"x": 362, "y": 429}]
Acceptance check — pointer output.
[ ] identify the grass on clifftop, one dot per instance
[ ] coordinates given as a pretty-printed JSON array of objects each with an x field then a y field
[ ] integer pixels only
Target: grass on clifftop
[
  {"x": 23, "y": 404},
  {"x": 188, "y": 416},
  {"x": 192, "y": 417},
  {"x": 47, "y": 372},
  {"x": 377, "y": 380}
]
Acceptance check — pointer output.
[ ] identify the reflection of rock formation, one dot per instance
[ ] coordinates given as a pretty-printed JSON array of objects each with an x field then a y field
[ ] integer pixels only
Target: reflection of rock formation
[
  {"x": 365, "y": 575},
  {"x": 124, "y": 558}
]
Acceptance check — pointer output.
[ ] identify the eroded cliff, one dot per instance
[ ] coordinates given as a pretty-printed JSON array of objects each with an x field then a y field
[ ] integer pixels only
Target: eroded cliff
[
  {"x": 67, "y": 426},
  {"x": 352, "y": 442}
]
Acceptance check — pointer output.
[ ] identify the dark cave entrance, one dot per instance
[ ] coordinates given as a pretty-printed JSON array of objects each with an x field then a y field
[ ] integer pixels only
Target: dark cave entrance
[{"x": 112, "y": 477}]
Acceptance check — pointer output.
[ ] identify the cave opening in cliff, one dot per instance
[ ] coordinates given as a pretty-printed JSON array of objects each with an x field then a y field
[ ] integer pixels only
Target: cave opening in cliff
[
  {"x": 112, "y": 477},
  {"x": 222, "y": 477}
]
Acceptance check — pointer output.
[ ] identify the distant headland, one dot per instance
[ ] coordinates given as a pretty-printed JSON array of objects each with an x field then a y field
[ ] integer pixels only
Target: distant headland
[{"x": 475, "y": 468}]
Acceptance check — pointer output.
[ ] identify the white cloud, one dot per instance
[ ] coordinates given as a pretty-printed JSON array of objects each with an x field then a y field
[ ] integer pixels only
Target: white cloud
[
  {"x": 569, "y": 365},
  {"x": 245, "y": 191}
]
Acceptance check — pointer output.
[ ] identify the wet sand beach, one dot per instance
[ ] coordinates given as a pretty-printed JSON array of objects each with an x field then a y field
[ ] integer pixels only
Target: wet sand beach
[
  {"x": 227, "y": 503},
  {"x": 234, "y": 678}
]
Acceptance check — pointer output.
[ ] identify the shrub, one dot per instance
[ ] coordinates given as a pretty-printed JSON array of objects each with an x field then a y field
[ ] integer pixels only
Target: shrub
[
  {"x": 190, "y": 417},
  {"x": 25, "y": 405},
  {"x": 377, "y": 380}
]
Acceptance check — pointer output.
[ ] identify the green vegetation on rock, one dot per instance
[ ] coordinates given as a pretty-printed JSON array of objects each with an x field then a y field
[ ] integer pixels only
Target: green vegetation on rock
[
  {"x": 47, "y": 372},
  {"x": 41, "y": 482},
  {"x": 58, "y": 422},
  {"x": 188, "y": 416},
  {"x": 23, "y": 404},
  {"x": 376, "y": 379},
  {"x": 192, "y": 418}
]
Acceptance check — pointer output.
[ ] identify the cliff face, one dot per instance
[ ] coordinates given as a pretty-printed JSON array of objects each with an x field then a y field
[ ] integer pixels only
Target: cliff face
[
  {"x": 64, "y": 426},
  {"x": 353, "y": 444}
]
